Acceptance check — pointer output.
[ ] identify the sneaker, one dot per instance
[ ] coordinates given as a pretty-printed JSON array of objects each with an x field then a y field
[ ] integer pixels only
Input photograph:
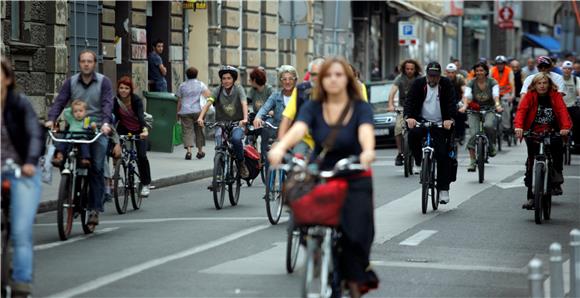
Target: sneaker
[
  {"x": 93, "y": 218},
  {"x": 529, "y": 205},
  {"x": 145, "y": 191},
  {"x": 492, "y": 151},
  {"x": 443, "y": 197},
  {"x": 399, "y": 159},
  {"x": 244, "y": 172},
  {"x": 557, "y": 190},
  {"x": 472, "y": 166}
]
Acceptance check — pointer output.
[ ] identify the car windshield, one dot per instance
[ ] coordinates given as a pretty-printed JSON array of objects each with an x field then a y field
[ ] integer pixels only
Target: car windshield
[{"x": 379, "y": 96}]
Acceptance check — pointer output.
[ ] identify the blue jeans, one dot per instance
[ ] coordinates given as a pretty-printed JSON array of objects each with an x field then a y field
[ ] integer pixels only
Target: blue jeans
[
  {"x": 25, "y": 197},
  {"x": 235, "y": 138},
  {"x": 161, "y": 85},
  {"x": 97, "y": 173}
]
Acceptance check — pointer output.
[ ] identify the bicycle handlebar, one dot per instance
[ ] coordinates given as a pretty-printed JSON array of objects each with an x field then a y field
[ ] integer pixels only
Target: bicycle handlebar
[
  {"x": 429, "y": 124},
  {"x": 74, "y": 141},
  {"x": 222, "y": 124},
  {"x": 350, "y": 164},
  {"x": 129, "y": 137}
]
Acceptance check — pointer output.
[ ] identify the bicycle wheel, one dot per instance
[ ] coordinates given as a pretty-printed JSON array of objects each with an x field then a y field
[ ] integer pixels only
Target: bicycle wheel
[
  {"x": 481, "y": 160},
  {"x": 120, "y": 190},
  {"x": 567, "y": 154},
  {"x": 312, "y": 273},
  {"x": 292, "y": 248},
  {"x": 218, "y": 183},
  {"x": 432, "y": 189},
  {"x": 408, "y": 159},
  {"x": 234, "y": 183},
  {"x": 65, "y": 207},
  {"x": 510, "y": 138},
  {"x": 6, "y": 255},
  {"x": 539, "y": 173},
  {"x": 264, "y": 170},
  {"x": 274, "y": 197},
  {"x": 547, "y": 199},
  {"x": 135, "y": 189},
  {"x": 425, "y": 182},
  {"x": 83, "y": 185},
  {"x": 499, "y": 137}
]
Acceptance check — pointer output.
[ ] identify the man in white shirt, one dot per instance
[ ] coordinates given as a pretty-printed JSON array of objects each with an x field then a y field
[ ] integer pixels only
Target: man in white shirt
[
  {"x": 545, "y": 66},
  {"x": 571, "y": 98}
]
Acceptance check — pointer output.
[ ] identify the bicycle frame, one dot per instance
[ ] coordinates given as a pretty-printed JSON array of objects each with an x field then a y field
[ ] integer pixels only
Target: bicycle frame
[
  {"x": 543, "y": 158},
  {"x": 129, "y": 156}
]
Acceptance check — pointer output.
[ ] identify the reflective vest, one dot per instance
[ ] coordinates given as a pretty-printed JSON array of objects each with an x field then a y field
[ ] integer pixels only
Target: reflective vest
[{"x": 503, "y": 79}]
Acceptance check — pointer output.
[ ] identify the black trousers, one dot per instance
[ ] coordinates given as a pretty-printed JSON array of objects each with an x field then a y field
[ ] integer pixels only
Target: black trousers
[
  {"x": 440, "y": 140},
  {"x": 557, "y": 160},
  {"x": 575, "y": 116}
]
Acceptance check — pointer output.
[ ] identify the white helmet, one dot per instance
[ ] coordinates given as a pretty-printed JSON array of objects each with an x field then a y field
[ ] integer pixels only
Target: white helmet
[{"x": 451, "y": 67}]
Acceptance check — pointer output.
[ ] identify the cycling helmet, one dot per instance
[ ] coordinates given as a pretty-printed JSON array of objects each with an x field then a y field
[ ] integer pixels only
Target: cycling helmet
[
  {"x": 544, "y": 61},
  {"x": 451, "y": 67},
  {"x": 228, "y": 69},
  {"x": 500, "y": 59}
]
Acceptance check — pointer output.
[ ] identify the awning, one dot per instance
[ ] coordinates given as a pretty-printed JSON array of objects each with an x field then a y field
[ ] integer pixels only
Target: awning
[
  {"x": 544, "y": 41},
  {"x": 402, "y": 5}
]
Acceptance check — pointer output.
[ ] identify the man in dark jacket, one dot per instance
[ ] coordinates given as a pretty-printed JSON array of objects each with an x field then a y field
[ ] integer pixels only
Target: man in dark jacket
[{"x": 431, "y": 99}]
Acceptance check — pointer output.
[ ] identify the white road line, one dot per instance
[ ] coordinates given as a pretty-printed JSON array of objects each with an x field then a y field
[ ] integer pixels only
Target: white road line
[
  {"x": 72, "y": 240},
  {"x": 157, "y": 220},
  {"x": 114, "y": 277},
  {"x": 418, "y": 237},
  {"x": 571, "y": 177},
  {"x": 439, "y": 266}
]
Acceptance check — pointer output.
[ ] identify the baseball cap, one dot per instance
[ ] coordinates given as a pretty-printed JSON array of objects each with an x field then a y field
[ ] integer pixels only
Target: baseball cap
[
  {"x": 451, "y": 67},
  {"x": 567, "y": 64},
  {"x": 433, "y": 69}
]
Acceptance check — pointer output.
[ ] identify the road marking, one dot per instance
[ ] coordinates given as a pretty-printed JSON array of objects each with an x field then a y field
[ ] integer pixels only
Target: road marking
[
  {"x": 157, "y": 220},
  {"x": 72, "y": 240},
  {"x": 114, "y": 277},
  {"x": 439, "y": 266},
  {"x": 571, "y": 177},
  {"x": 418, "y": 237}
]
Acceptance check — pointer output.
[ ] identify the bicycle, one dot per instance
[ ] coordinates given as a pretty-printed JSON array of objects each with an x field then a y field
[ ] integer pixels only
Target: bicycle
[
  {"x": 275, "y": 179},
  {"x": 126, "y": 177},
  {"x": 225, "y": 170},
  {"x": 568, "y": 147},
  {"x": 10, "y": 169},
  {"x": 428, "y": 169},
  {"x": 481, "y": 143},
  {"x": 73, "y": 192},
  {"x": 407, "y": 153},
  {"x": 499, "y": 131},
  {"x": 541, "y": 180}
]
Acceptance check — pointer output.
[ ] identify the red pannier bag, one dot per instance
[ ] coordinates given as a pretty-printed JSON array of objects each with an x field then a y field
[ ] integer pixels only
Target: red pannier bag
[
  {"x": 322, "y": 205},
  {"x": 252, "y": 161}
]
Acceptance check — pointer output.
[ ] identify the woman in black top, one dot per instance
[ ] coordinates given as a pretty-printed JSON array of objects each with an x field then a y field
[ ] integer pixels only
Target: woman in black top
[{"x": 340, "y": 90}]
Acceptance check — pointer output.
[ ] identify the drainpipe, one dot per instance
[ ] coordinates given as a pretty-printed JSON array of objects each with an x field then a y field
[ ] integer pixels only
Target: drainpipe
[
  {"x": 241, "y": 29},
  {"x": 185, "y": 40}
]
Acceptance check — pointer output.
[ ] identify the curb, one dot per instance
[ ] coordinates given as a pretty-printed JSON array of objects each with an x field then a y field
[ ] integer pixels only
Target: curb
[{"x": 48, "y": 206}]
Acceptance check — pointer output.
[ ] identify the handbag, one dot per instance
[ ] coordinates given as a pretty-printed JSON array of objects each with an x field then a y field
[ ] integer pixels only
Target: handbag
[{"x": 313, "y": 202}]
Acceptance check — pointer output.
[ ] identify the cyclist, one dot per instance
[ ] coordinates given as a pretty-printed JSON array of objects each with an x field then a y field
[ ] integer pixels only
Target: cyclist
[
  {"x": 301, "y": 94},
  {"x": 402, "y": 84},
  {"x": 481, "y": 93},
  {"x": 540, "y": 110},
  {"x": 276, "y": 103},
  {"x": 260, "y": 91},
  {"x": 23, "y": 142},
  {"x": 339, "y": 90},
  {"x": 458, "y": 82},
  {"x": 530, "y": 68},
  {"x": 230, "y": 102},
  {"x": 432, "y": 98},
  {"x": 571, "y": 99},
  {"x": 129, "y": 113},
  {"x": 97, "y": 91},
  {"x": 505, "y": 78},
  {"x": 545, "y": 66}
]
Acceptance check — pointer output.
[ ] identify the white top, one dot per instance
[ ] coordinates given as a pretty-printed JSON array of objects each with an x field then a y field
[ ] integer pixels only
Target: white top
[
  {"x": 558, "y": 80},
  {"x": 286, "y": 100},
  {"x": 431, "y": 106},
  {"x": 572, "y": 90}
]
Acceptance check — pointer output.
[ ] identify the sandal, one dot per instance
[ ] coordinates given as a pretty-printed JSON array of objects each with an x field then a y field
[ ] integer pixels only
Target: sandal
[
  {"x": 188, "y": 156},
  {"x": 200, "y": 155}
]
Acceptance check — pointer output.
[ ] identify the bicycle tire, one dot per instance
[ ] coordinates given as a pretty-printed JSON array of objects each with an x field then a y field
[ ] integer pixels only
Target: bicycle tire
[
  {"x": 292, "y": 248},
  {"x": 6, "y": 255},
  {"x": 274, "y": 197},
  {"x": 547, "y": 199},
  {"x": 65, "y": 207},
  {"x": 480, "y": 160},
  {"x": 218, "y": 183},
  {"x": 309, "y": 273},
  {"x": 433, "y": 191},
  {"x": 235, "y": 185},
  {"x": 499, "y": 138},
  {"x": 84, "y": 202},
  {"x": 539, "y": 173},
  {"x": 567, "y": 154},
  {"x": 509, "y": 139},
  {"x": 120, "y": 190},
  {"x": 425, "y": 173},
  {"x": 135, "y": 190}
]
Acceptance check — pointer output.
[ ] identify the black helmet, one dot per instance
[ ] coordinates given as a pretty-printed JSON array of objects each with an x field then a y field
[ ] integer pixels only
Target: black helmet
[{"x": 228, "y": 69}]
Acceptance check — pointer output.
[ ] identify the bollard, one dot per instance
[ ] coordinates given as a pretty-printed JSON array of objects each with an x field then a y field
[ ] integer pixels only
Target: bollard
[
  {"x": 536, "y": 278},
  {"x": 575, "y": 263},
  {"x": 556, "y": 271}
]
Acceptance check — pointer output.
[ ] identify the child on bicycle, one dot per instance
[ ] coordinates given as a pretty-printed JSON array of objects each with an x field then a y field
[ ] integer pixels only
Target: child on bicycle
[{"x": 77, "y": 121}]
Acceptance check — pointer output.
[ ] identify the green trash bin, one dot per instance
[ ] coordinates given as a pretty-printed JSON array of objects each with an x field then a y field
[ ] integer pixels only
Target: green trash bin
[{"x": 163, "y": 107}]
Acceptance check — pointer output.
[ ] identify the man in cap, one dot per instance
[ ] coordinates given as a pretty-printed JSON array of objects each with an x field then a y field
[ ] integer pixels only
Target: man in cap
[{"x": 458, "y": 82}]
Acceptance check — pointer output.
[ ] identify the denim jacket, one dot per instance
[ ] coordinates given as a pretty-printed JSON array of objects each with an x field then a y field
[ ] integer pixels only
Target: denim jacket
[{"x": 274, "y": 103}]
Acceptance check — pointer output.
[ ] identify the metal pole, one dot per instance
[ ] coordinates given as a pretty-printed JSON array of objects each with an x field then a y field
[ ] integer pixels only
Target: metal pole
[
  {"x": 575, "y": 263},
  {"x": 556, "y": 271},
  {"x": 335, "y": 39},
  {"x": 185, "y": 40},
  {"x": 292, "y": 33},
  {"x": 535, "y": 277},
  {"x": 460, "y": 39}
]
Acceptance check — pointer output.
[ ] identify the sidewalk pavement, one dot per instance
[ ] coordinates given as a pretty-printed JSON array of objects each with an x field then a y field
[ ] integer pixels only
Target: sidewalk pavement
[{"x": 167, "y": 169}]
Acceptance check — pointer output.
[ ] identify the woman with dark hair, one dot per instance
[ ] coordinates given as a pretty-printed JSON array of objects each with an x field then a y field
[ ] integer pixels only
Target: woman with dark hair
[
  {"x": 130, "y": 117},
  {"x": 23, "y": 143},
  {"x": 481, "y": 93},
  {"x": 189, "y": 107},
  {"x": 542, "y": 110},
  {"x": 260, "y": 91},
  {"x": 338, "y": 92}
]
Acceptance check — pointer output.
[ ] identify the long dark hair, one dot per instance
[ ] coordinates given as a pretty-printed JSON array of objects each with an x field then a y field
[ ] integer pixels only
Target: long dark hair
[
  {"x": 353, "y": 87},
  {"x": 8, "y": 72},
  {"x": 414, "y": 62}
]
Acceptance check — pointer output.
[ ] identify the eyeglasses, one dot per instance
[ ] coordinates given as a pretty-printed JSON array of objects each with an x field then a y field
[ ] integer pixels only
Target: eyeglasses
[{"x": 288, "y": 79}]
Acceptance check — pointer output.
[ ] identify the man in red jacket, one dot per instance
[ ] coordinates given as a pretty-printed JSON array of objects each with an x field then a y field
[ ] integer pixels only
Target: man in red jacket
[{"x": 542, "y": 110}]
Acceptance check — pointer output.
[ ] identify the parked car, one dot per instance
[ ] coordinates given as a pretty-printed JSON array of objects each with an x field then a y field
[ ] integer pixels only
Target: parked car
[{"x": 384, "y": 121}]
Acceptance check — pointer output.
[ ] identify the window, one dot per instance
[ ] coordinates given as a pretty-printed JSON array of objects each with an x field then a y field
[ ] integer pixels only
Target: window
[
  {"x": 15, "y": 17},
  {"x": 83, "y": 30}
]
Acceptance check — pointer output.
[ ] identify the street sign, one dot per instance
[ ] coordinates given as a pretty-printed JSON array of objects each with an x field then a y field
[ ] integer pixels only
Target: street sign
[
  {"x": 558, "y": 30},
  {"x": 407, "y": 34},
  {"x": 285, "y": 10},
  {"x": 506, "y": 18}
]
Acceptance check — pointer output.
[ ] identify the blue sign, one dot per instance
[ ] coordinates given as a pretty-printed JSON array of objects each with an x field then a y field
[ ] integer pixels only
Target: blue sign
[
  {"x": 408, "y": 30},
  {"x": 558, "y": 30}
]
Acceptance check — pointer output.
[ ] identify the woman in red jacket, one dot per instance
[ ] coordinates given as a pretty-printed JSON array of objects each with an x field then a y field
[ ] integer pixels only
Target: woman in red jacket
[{"x": 543, "y": 109}]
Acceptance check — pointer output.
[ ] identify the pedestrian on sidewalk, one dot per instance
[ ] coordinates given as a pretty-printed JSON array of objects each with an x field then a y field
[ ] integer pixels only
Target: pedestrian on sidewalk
[
  {"x": 189, "y": 108},
  {"x": 23, "y": 142},
  {"x": 157, "y": 70},
  {"x": 97, "y": 91},
  {"x": 130, "y": 116}
]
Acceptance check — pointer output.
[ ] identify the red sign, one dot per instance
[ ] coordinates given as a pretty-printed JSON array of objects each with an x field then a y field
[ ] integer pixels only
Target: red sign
[{"x": 506, "y": 15}]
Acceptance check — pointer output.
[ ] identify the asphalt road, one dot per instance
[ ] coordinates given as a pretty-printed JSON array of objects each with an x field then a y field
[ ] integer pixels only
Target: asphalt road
[{"x": 178, "y": 245}]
